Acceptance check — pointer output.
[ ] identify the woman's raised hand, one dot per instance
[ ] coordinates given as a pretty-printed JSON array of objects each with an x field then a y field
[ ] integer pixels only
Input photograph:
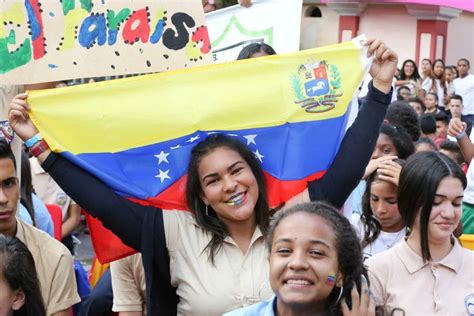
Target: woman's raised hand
[
  {"x": 19, "y": 119},
  {"x": 384, "y": 64},
  {"x": 363, "y": 304}
]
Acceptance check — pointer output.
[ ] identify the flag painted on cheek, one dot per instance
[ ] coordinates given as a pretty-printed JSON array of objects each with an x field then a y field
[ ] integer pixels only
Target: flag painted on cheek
[{"x": 136, "y": 134}]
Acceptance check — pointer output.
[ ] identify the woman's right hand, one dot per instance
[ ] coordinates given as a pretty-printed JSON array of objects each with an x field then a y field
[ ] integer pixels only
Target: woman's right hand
[
  {"x": 363, "y": 304},
  {"x": 18, "y": 117}
]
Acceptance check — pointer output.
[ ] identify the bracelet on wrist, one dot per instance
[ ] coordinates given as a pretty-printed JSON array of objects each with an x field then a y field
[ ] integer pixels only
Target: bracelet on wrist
[
  {"x": 38, "y": 148},
  {"x": 33, "y": 140},
  {"x": 461, "y": 135}
]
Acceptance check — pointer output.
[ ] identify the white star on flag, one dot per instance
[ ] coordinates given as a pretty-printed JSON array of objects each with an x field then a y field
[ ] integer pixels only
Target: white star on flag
[
  {"x": 163, "y": 175},
  {"x": 162, "y": 157},
  {"x": 192, "y": 139},
  {"x": 258, "y": 155},
  {"x": 250, "y": 139}
]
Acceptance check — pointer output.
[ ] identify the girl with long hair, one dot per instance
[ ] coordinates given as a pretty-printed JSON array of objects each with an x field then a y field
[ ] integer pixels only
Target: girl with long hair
[
  {"x": 20, "y": 293},
  {"x": 212, "y": 260}
]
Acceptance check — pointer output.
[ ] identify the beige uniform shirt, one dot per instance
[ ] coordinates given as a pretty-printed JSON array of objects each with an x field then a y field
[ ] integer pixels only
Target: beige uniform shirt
[
  {"x": 128, "y": 284},
  {"x": 54, "y": 266},
  {"x": 236, "y": 279},
  {"x": 47, "y": 189},
  {"x": 400, "y": 279}
]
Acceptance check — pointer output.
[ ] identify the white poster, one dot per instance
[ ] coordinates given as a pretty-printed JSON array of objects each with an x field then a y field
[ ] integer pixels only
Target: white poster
[{"x": 273, "y": 22}]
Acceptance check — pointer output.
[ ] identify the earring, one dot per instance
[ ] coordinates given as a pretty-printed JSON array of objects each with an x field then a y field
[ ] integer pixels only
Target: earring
[
  {"x": 340, "y": 293},
  {"x": 207, "y": 210}
]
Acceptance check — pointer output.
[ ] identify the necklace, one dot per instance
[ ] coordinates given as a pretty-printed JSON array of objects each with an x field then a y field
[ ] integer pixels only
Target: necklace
[{"x": 389, "y": 245}]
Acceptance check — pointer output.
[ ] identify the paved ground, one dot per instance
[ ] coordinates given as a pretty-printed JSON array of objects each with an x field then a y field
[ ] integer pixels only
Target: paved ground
[{"x": 85, "y": 252}]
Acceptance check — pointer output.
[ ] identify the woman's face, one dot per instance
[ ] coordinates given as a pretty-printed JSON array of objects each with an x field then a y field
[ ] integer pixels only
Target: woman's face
[
  {"x": 384, "y": 147},
  {"x": 383, "y": 203},
  {"x": 228, "y": 186},
  {"x": 426, "y": 66},
  {"x": 446, "y": 211},
  {"x": 303, "y": 262},
  {"x": 430, "y": 102},
  {"x": 438, "y": 69},
  {"x": 417, "y": 107},
  {"x": 409, "y": 69},
  {"x": 405, "y": 94},
  {"x": 10, "y": 300},
  {"x": 448, "y": 75}
]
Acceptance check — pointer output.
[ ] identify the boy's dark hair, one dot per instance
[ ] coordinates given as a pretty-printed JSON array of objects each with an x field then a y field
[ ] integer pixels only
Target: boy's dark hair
[
  {"x": 456, "y": 97},
  {"x": 426, "y": 140},
  {"x": 427, "y": 124},
  {"x": 442, "y": 117},
  {"x": 6, "y": 151},
  {"x": 401, "y": 114},
  {"x": 454, "y": 148}
]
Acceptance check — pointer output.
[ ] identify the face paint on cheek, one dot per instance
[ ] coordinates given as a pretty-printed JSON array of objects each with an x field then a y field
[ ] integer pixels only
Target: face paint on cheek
[{"x": 331, "y": 278}]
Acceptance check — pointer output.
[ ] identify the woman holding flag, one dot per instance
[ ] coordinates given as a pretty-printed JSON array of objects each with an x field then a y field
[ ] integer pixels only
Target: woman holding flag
[{"x": 215, "y": 258}]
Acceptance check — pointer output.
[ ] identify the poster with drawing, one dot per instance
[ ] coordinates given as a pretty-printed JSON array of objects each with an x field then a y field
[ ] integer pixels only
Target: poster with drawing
[
  {"x": 48, "y": 40},
  {"x": 274, "y": 22}
]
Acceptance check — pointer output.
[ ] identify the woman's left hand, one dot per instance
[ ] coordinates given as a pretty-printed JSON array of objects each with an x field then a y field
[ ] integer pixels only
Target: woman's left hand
[
  {"x": 363, "y": 304},
  {"x": 384, "y": 64}
]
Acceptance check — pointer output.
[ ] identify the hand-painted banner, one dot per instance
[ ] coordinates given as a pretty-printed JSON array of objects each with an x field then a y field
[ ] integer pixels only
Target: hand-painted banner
[
  {"x": 136, "y": 134},
  {"x": 45, "y": 40},
  {"x": 273, "y": 22}
]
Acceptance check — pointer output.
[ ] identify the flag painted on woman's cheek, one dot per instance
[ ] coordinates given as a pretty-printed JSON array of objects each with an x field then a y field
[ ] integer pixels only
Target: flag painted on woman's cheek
[{"x": 136, "y": 134}]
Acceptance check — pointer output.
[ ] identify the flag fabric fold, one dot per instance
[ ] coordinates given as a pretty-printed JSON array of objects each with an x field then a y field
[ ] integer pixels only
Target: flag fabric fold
[{"x": 136, "y": 134}]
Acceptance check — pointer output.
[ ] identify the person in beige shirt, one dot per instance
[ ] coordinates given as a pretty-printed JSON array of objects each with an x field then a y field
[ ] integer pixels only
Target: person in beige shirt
[
  {"x": 50, "y": 193},
  {"x": 54, "y": 264},
  {"x": 128, "y": 285},
  {"x": 429, "y": 273}
]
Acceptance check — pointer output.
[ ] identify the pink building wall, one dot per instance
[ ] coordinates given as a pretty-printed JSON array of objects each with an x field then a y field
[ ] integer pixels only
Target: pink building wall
[{"x": 395, "y": 25}]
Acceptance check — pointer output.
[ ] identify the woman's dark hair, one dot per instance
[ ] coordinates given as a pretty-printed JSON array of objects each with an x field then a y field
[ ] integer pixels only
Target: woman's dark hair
[
  {"x": 26, "y": 186},
  {"x": 349, "y": 252},
  {"x": 416, "y": 75},
  {"x": 372, "y": 227},
  {"x": 401, "y": 114},
  {"x": 455, "y": 70},
  {"x": 253, "y": 48},
  {"x": 18, "y": 268},
  {"x": 194, "y": 191},
  {"x": 400, "y": 139},
  {"x": 419, "y": 180}
]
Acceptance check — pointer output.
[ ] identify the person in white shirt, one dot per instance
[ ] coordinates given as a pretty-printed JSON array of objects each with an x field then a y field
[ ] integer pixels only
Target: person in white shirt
[
  {"x": 464, "y": 86},
  {"x": 380, "y": 226}
]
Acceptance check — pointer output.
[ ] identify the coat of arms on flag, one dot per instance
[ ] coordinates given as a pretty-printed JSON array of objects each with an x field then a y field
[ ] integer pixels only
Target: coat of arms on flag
[{"x": 316, "y": 86}]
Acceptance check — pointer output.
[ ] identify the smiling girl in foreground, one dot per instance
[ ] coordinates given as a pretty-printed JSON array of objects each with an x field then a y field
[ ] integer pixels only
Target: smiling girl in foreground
[{"x": 315, "y": 265}]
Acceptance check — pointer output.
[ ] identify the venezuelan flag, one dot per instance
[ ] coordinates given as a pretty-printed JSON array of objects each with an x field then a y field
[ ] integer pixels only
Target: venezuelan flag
[{"x": 136, "y": 134}]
